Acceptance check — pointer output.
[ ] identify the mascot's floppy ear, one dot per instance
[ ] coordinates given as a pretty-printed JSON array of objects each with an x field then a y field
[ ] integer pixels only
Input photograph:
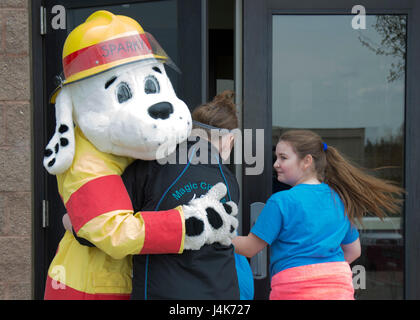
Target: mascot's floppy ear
[{"x": 59, "y": 153}]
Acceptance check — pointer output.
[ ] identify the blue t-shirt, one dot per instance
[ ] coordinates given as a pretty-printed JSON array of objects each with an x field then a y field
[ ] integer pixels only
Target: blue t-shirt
[{"x": 304, "y": 225}]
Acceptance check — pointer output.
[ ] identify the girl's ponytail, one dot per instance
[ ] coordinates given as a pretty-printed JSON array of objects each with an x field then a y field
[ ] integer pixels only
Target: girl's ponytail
[{"x": 360, "y": 192}]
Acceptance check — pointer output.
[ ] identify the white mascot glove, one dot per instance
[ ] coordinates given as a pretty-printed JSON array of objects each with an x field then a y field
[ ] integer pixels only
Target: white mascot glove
[{"x": 207, "y": 220}]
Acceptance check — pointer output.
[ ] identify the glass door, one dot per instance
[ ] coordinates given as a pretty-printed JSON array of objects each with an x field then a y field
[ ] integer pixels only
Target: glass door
[
  {"x": 350, "y": 77},
  {"x": 349, "y": 86}
]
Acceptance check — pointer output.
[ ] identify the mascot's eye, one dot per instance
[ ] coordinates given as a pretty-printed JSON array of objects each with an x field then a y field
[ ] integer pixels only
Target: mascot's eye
[
  {"x": 123, "y": 92},
  {"x": 151, "y": 85}
]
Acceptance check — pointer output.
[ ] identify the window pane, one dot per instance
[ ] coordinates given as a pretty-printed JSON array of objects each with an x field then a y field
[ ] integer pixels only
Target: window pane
[{"x": 349, "y": 86}]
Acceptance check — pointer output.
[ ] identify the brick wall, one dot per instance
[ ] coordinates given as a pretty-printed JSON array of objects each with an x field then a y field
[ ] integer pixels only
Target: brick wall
[{"x": 15, "y": 151}]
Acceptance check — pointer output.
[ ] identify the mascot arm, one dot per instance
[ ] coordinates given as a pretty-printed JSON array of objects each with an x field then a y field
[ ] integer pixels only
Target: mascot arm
[
  {"x": 101, "y": 212},
  {"x": 120, "y": 233}
]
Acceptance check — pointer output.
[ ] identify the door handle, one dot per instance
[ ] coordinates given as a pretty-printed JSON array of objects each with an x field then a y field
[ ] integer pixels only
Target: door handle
[{"x": 259, "y": 261}]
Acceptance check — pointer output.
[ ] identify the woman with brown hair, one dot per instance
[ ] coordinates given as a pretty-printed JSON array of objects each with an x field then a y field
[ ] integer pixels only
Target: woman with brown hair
[
  {"x": 311, "y": 226},
  {"x": 218, "y": 114},
  {"x": 208, "y": 273}
]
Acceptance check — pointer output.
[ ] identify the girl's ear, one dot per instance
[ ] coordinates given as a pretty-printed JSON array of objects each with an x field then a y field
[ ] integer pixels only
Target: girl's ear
[{"x": 308, "y": 161}]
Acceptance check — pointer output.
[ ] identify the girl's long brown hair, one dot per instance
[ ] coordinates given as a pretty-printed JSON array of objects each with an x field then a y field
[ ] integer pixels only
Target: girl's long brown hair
[{"x": 360, "y": 192}]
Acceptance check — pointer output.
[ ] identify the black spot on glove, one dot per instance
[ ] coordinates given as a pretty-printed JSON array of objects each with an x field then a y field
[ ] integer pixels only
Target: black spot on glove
[
  {"x": 194, "y": 227},
  {"x": 214, "y": 218},
  {"x": 228, "y": 208}
]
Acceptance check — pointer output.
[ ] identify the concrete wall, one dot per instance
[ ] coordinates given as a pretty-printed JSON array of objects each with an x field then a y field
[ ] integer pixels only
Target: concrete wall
[{"x": 15, "y": 151}]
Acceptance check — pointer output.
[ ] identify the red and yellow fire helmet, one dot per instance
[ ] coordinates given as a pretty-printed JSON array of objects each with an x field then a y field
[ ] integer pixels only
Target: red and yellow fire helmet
[{"x": 106, "y": 41}]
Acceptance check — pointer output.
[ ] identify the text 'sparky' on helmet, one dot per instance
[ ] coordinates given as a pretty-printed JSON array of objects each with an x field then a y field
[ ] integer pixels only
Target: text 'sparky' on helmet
[{"x": 106, "y": 41}]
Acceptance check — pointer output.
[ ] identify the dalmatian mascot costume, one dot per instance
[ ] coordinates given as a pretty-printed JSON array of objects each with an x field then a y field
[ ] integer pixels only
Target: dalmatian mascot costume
[{"x": 115, "y": 105}]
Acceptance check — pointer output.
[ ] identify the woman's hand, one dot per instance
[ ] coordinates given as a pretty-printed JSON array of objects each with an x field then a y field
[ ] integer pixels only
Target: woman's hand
[{"x": 67, "y": 223}]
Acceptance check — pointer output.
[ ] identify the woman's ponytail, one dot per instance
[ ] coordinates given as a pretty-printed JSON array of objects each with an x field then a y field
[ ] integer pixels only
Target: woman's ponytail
[{"x": 220, "y": 112}]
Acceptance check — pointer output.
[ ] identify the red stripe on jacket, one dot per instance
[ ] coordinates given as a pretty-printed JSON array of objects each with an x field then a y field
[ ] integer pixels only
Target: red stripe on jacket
[
  {"x": 163, "y": 231},
  {"x": 96, "y": 197}
]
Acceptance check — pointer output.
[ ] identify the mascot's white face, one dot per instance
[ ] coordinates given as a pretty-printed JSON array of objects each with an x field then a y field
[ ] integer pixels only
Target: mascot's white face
[{"x": 130, "y": 111}]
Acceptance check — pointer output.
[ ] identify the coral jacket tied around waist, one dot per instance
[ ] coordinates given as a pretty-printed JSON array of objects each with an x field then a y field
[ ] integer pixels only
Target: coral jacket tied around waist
[{"x": 321, "y": 281}]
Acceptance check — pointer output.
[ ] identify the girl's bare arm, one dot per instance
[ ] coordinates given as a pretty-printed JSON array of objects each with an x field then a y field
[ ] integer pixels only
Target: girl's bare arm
[
  {"x": 248, "y": 246},
  {"x": 352, "y": 250}
]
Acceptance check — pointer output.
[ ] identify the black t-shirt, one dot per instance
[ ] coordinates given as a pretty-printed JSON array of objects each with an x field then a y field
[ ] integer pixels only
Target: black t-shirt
[{"x": 208, "y": 273}]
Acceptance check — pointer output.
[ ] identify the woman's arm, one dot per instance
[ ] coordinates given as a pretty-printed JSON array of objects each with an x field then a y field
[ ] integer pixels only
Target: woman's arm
[
  {"x": 248, "y": 246},
  {"x": 352, "y": 250}
]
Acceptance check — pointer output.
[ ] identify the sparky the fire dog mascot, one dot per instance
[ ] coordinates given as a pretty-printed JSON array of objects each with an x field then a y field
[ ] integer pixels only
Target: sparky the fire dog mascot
[{"x": 117, "y": 104}]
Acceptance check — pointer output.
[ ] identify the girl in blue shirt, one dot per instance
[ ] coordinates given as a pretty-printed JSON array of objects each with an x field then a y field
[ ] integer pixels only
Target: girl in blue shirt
[{"x": 310, "y": 227}]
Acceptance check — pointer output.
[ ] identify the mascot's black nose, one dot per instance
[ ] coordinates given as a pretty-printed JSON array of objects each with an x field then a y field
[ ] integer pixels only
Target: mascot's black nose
[{"x": 161, "y": 110}]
